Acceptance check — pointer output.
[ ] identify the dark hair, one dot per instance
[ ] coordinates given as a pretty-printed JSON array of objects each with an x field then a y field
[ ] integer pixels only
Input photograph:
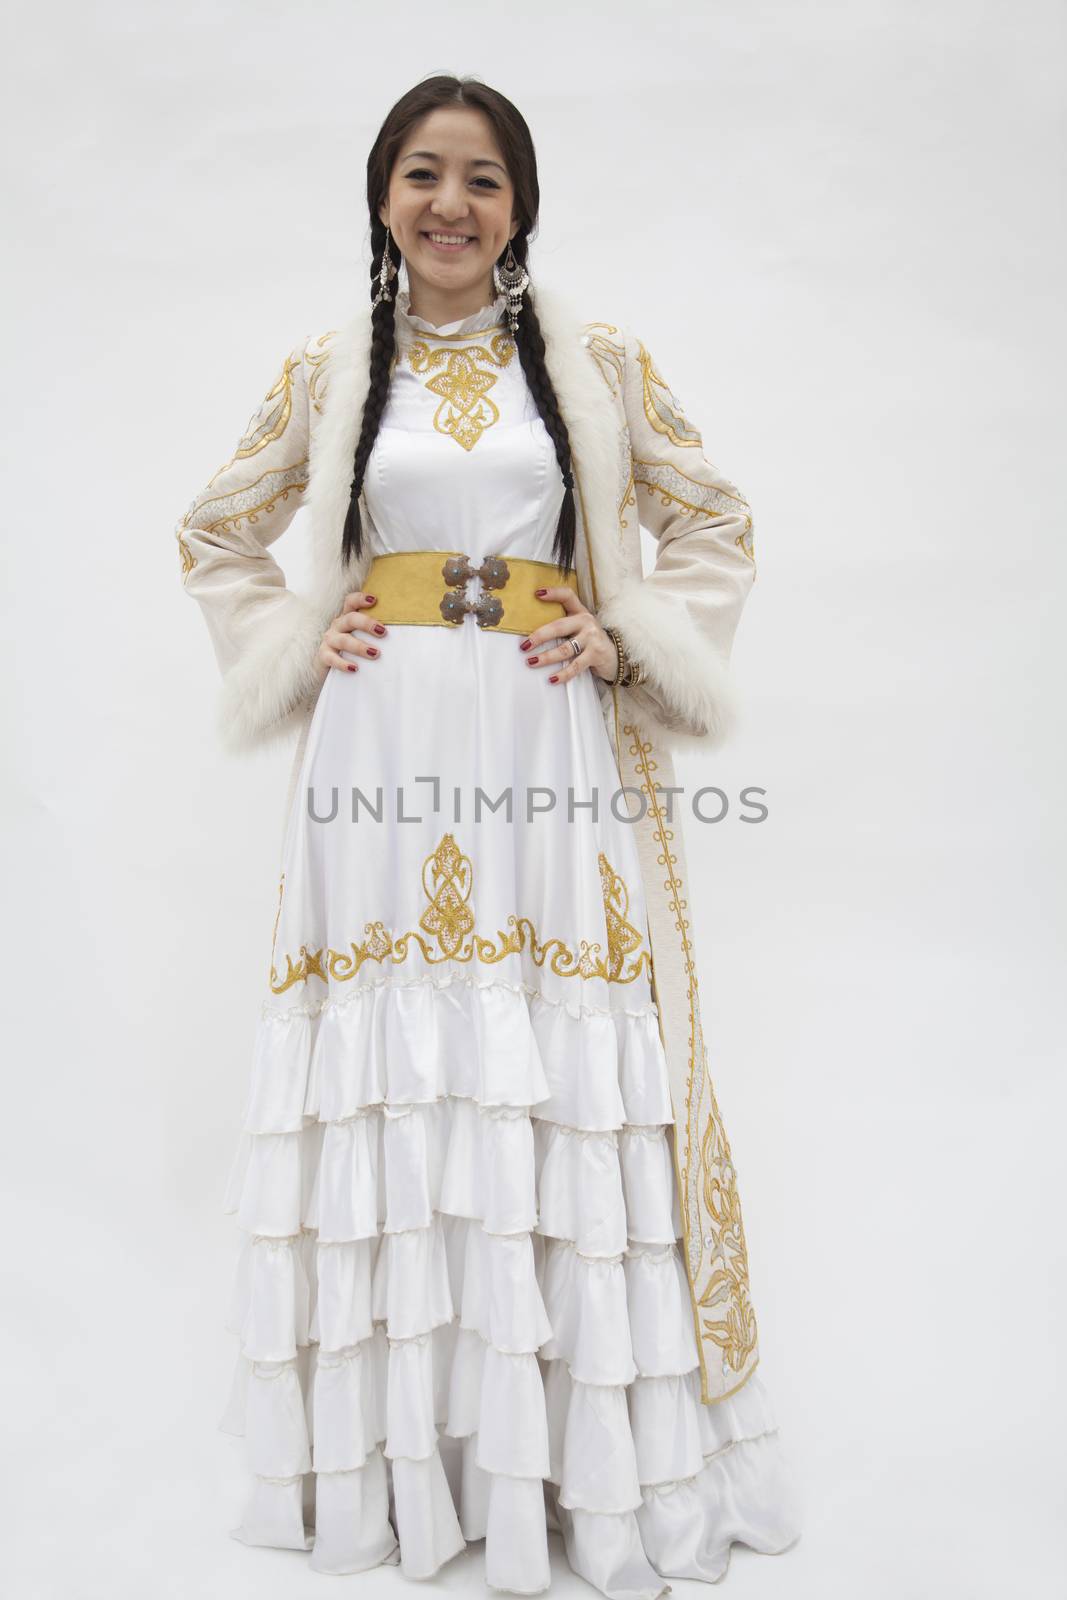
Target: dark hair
[{"x": 517, "y": 147}]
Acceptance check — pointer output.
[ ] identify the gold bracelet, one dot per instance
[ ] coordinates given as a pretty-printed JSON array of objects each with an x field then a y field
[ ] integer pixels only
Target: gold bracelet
[
  {"x": 620, "y": 652},
  {"x": 627, "y": 672}
]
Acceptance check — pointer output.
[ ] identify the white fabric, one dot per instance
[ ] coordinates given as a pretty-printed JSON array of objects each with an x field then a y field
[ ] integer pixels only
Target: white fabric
[{"x": 461, "y": 1309}]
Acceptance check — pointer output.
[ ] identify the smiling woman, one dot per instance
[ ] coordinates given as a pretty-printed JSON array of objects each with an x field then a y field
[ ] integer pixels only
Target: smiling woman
[
  {"x": 493, "y": 1277},
  {"x": 449, "y": 199}
]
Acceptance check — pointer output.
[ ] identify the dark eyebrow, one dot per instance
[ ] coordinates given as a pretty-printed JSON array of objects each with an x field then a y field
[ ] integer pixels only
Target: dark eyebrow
[{"x": 430, "y": 155}]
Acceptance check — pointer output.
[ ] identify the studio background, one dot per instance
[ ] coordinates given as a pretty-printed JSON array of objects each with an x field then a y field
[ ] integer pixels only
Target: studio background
[{"x": 839, "y": 229}]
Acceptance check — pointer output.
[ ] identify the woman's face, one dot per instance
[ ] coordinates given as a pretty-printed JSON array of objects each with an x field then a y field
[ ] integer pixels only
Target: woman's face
[{"x": 449, "y": 179}]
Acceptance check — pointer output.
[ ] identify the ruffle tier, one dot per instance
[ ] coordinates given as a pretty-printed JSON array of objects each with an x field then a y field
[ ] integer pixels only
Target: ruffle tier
[{"x": 461, "y": 1307}]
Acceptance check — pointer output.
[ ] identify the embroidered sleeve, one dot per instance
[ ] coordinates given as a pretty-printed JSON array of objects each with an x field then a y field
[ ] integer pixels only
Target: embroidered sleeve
[
  {"x": 680, "y": 486},
  {"x": 680, "y": 626},
  {"x": 224, "y": 542},
  {"x": 251, "y": 498}
]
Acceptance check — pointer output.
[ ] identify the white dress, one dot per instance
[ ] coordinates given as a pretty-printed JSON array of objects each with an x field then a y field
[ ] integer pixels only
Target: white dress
[{"x": 460, "y": 1300}]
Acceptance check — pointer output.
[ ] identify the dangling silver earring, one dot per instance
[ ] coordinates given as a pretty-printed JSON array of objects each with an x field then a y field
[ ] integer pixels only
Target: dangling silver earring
[
  {"x": 511, "y": 279},
  {"x": 387, "y": 272}
]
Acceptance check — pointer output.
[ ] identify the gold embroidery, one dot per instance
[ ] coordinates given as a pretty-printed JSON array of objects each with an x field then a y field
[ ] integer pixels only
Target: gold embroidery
[
  {"x": 447, "y": 879},
  {"x": 609, "y": 353},
  {"x": 662, "y": 407},
  {"x": 629, "y": 497},
  {"x": 449, "y": 921},
  {"x": 735, "y": 1333},
  {"x": 318, "y": 360},
  {"x": 245, "y": 504},
  {"x": 269, "y": 421},
  {"x": 678, "y": 488},
  {"x": 267, "y": 424},
  {"x": 466, "y": 410},
  {"x": 623, "y": 937},
  {"x": 187, "y": 558}
]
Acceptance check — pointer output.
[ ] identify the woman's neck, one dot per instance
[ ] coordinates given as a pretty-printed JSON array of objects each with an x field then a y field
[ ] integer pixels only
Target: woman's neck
[{"x": 440, "y": 307}]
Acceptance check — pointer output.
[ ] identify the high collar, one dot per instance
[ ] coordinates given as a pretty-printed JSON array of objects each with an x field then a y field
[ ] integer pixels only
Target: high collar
[
  {"x": 585, "y": 404},
  {"x": 408, "y": 323}
]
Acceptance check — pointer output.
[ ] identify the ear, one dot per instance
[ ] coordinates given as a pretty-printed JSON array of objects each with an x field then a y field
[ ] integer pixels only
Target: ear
[{"x": 383, "y": 213}]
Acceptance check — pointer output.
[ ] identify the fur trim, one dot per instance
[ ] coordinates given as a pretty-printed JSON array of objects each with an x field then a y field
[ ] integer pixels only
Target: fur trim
[
  {"x": 595, "y": 441},
  {"x": 332, "y": 463},
  {"x": 681, "y": 666},
  {"x": 264, "y": 695}
]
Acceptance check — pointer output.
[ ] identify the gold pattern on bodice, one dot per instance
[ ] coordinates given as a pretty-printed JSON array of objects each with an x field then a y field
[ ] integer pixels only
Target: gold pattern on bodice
[
  {"x": 447, "y": 932},
  {"x": 463, "y": 380}
]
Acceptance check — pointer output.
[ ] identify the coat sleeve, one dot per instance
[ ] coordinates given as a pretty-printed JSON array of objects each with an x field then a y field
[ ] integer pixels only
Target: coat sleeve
[
  {"x": 680, "y": 620},
  {"x": 265, "y": 636}
]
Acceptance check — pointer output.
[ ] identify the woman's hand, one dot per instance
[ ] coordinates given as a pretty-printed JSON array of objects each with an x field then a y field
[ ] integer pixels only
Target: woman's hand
[
  {"x": 598, "y": 655},
  {"x": 347, "y": 631}
]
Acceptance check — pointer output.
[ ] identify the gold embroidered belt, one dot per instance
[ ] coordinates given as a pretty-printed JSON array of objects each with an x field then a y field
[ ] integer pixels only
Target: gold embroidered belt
[{"x": 427, "y": 586}]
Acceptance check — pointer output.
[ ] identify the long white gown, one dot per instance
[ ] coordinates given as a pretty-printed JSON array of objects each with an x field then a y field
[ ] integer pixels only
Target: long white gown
[{"x": 460, "y": 1301}]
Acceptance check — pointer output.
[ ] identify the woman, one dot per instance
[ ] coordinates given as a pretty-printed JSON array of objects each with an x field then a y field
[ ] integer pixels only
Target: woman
[{"x": 493, "y": 1276}]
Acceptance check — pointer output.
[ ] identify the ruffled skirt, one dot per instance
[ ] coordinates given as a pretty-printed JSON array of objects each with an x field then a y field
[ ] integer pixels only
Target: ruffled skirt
[{"x": 461, "y": 1305}]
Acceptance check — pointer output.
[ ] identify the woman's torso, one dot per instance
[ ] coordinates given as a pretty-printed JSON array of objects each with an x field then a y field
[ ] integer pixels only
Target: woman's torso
[{"x": 463, "y": 462}]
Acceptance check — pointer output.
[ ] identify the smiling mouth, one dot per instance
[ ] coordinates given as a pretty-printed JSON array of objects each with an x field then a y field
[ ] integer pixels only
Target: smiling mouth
[{"x": 449, "y": 241}]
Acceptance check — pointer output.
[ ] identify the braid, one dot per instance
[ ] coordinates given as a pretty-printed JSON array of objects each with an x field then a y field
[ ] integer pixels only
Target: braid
[
  {"x": 383, "y": 346},
  {"x": 531, "y": 346}
]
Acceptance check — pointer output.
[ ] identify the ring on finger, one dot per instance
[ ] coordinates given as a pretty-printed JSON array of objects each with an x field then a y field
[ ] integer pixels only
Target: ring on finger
[{"x": 575, "y": 646}]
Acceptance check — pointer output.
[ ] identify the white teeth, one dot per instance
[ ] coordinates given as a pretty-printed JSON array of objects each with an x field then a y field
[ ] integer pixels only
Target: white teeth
[{"x": 450, "y": 238}]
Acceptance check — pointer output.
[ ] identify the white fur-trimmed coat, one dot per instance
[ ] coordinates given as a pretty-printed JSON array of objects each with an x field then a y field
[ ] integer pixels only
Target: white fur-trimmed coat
[{"x": 637, "y": 460}]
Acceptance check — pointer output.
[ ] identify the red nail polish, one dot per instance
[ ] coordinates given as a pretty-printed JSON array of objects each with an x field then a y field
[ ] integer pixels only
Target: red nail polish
[
  {"x": 378, "y": 628},
  {"x": 553, "y": 679},
  {"x": 526, "y": 643},
  {"x": 371, "y": 650},
  {"x": 540, "y": 591},
  {"x": 371, "y": 599},
  {"x": 531, "y": 661},
  {"x": 350, "y": 665}
]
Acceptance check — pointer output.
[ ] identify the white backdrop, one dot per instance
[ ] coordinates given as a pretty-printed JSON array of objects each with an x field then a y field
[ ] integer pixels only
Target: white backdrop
[{"x": 839, "y": 228}]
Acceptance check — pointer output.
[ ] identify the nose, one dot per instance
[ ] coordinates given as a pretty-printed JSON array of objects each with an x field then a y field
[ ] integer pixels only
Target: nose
[{"x": 450, "y": 203}]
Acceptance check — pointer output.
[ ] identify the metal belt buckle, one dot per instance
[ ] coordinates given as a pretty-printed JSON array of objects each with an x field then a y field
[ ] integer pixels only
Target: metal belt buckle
[{"x": 456, "y": 572}]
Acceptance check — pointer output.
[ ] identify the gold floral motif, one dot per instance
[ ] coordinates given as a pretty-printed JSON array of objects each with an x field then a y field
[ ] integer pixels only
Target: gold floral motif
[
  {"x": 662, "y": 408},
  {"x": 448, "y": 934},
  {"x": 623, "y": 937},
  {"x": 466, "y": 411},
  {"x": 705, "y": 1166},
  {"x": 447, "y": 880}
]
